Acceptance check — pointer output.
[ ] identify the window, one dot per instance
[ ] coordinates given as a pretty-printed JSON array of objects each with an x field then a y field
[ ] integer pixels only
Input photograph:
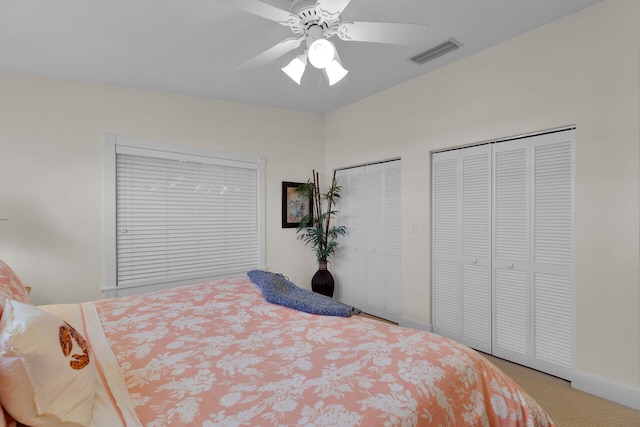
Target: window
[{"x": 179, "y": 215}]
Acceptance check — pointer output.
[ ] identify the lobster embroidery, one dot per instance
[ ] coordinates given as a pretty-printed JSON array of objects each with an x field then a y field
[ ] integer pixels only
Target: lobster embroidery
[{"x": 66, "y": 333}]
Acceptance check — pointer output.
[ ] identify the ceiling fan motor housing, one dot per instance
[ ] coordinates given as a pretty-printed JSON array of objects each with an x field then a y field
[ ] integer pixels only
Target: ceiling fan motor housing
[{"x": 312, "y": 16}]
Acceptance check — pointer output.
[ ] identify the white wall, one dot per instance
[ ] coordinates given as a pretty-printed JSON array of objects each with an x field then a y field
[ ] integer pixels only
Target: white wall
[
  {"x": 51, "y": 173},
  {"x": 583, "y": 70}
]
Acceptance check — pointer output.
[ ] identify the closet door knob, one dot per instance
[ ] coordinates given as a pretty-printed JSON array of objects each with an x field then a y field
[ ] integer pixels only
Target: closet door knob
[
  {"x": 475, "y": 260},
  {"x": 510, "y": 265}
]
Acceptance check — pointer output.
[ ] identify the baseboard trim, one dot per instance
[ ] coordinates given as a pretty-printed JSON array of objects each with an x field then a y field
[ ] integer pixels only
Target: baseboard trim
[
  {"x": 615, "y": 392},
  {"x": 414, "y": 324}
]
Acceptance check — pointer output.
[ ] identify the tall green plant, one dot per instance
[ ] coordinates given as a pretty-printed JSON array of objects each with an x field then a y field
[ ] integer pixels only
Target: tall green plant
[{"x": 315, "y": 229}]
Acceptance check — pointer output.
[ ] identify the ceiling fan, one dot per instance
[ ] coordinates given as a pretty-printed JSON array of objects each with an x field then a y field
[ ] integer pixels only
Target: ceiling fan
[{"x": 314, "y": 22}]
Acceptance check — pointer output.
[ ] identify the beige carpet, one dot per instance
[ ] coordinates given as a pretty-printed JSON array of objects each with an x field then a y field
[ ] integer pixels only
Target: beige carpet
[{"x": 566, "y": 406}]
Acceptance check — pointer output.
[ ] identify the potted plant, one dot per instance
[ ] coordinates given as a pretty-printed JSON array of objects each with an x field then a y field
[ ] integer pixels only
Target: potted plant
[{"x": 315, "y": 230}]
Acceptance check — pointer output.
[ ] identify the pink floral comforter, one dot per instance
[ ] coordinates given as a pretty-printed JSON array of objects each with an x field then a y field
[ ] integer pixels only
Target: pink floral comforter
[{"x": 217, "y": 354}]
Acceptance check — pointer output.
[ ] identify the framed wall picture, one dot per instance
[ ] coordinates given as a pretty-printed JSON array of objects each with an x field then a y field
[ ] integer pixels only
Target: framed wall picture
[{"x": 294, "y": 205}]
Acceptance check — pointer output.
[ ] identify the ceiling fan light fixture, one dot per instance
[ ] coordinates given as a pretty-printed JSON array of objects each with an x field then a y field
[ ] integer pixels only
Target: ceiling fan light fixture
[
  {"x": 321, "y": 53},
  {"x": 334, "y": 72},
  {"x": 295, "y": 68}
]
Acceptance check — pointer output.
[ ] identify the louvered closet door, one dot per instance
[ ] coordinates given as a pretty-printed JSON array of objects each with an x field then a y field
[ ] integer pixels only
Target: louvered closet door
[
  {"x": 511, "y": 242},
  {"x": 393, "y": 277},
  {"x": 374, "y": 224},
  {"x": 349, "y": 260},
  {"x": 552, "y": 249},
  {"x": 462, "y": 245},
  {"x": 367, "y": 262},
  {"x": 534, "y": 251},
  {"x": 445, "y": 244},
  {"x": 503, "y": 249},
  {"x": 382, "y": 223},
  {"x": 475, "y": 247}
]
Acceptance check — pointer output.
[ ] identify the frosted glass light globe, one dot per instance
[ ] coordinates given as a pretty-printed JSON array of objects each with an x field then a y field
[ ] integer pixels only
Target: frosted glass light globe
[
  {"x": 321, "y": 53},
  {"x": 335, "y": 72},
  {"x": 296, "y": 67}
]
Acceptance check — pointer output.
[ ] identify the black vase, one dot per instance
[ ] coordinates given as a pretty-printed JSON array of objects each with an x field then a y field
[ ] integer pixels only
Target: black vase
[{"x": 322, "y": 282}]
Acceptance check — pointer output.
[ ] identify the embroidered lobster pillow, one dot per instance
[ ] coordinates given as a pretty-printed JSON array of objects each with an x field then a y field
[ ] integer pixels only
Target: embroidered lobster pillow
[{"x": 47, "y": 374}]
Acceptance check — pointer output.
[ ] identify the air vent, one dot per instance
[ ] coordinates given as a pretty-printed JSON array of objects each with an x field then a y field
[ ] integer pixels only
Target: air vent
[{"x": 435, "y": 52}]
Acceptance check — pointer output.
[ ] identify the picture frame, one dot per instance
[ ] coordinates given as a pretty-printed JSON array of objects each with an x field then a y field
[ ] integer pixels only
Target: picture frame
[{"x": 294, "y": 205}]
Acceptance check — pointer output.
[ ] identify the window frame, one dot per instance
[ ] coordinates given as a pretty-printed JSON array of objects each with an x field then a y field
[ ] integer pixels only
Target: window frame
[{"x": 115, "y": 144}]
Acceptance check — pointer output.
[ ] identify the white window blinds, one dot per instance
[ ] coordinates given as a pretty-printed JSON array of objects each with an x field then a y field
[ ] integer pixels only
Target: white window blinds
[{"x": 181, "y": 217}]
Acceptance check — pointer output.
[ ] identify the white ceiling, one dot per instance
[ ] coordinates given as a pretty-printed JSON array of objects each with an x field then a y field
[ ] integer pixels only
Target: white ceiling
[{"x": 193, "y": 46}]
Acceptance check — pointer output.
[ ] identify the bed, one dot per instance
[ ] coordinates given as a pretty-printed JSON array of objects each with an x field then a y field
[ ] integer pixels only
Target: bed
[{"x": 218, "y": 354}]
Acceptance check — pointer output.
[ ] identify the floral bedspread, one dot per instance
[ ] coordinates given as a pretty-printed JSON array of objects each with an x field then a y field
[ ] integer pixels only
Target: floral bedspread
[{"x": 217, "y": 354}]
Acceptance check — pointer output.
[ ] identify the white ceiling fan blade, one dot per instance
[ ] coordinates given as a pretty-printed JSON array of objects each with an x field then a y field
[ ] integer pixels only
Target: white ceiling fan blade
[
  {"x": 272, "y": 53},
  {"x": 382, "y": 32},
  {"x": 266, "y": 11},
  {"x": 331, "y": 9}
]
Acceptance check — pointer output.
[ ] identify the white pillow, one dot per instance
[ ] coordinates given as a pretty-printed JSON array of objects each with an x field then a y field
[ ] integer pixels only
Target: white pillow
[
  {"x": 47, "y": 372},
  {"x": 11, "y": 286}
]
